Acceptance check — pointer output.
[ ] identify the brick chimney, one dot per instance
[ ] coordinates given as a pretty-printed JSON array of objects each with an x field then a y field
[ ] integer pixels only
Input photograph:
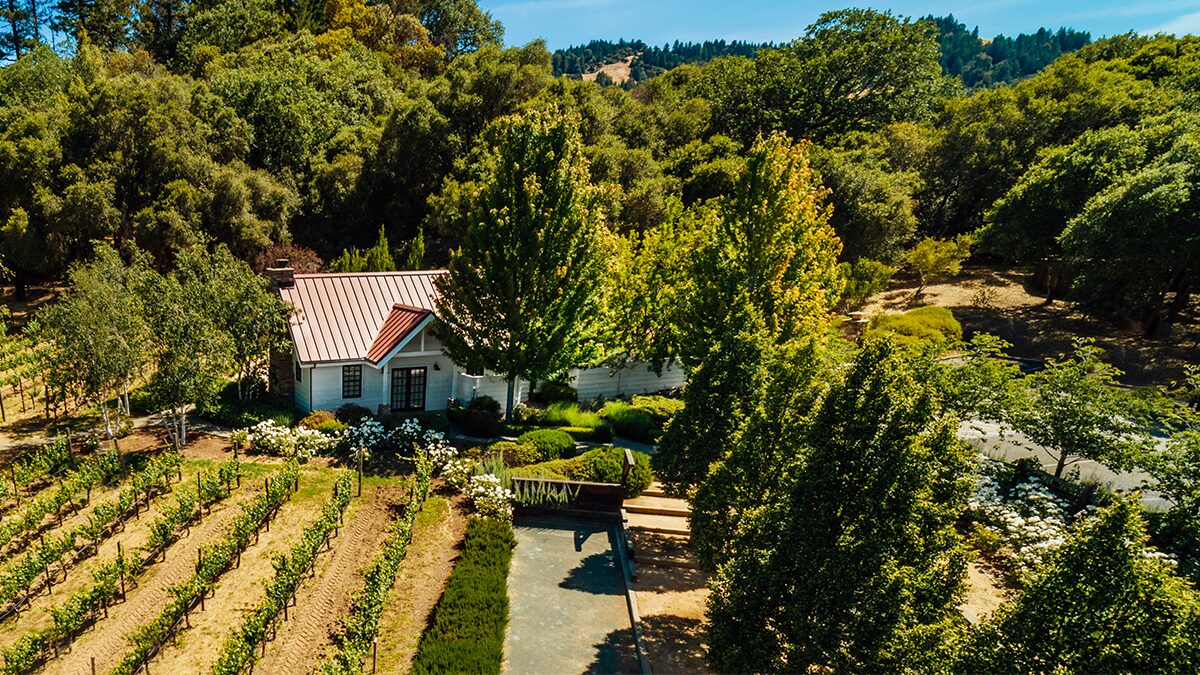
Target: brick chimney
[{"x": 282, "y": 274}]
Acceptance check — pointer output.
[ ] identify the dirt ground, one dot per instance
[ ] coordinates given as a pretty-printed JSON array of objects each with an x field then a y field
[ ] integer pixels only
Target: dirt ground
[
  {"x": 106, "y": 641},
  {"x": 437, "y": 536},
  {"x": 985, "y": 594},
  {"x": 672, "y": 601},
  {"x": 322, "y": 600},
  {"x": 1000, "y": 301},
  {"x": 240, "y": 589}
]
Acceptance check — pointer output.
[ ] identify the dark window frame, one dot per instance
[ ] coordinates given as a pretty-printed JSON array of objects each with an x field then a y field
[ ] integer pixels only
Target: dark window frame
[
  {"x": 299, "y": 372},
  {"x": 410, "y": 387},
  {"x": 352, "y": 381}
]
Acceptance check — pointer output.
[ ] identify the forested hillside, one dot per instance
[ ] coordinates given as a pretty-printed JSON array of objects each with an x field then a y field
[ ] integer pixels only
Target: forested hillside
[
  {"x": 347, "y": 125},
  {"x": 977, "y": 62}
]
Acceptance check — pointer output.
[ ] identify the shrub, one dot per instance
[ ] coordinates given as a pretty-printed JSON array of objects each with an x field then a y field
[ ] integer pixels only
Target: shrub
[
  {"x": 555, "y": 392},
  {"x": 602, "y": 434},
  {"x": 482, "y": 418},
  {"x": 551, "y": 443},
  {"x": 332, "y": 427},
  {"x": 228, "y": 411},
  {"x": 351, "y": 413},
  {"x": 630, "y": 422},
  {"x": 600, "y": 465},
  {"x": 523, "y": 414},
  {"x": 661, "y": 408},
  {"x": 470, "y": 621},
  {"x": 934, "y": 324},
  {"x": 316, "y": 418},
  {"x": 516, "y": 454}
]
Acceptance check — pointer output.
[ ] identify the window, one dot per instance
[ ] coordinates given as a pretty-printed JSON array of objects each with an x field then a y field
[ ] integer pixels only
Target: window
[
  {"x": 299, "y": 372},
  {"x": 408, "y": 389},
  {"x": 351, "y": 381},
  {"x": 475, "y": 371}
]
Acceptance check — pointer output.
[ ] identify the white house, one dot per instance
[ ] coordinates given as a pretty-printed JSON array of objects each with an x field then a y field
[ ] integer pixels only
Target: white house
[{"x": 364, "y": 338}]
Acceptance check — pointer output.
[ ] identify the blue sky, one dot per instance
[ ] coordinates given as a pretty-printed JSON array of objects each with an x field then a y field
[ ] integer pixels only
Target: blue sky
[{"x": 566, "y": 22}]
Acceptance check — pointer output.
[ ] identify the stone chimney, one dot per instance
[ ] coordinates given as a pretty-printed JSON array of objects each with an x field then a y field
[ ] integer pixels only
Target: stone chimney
[{"x": 282, "y": 274}]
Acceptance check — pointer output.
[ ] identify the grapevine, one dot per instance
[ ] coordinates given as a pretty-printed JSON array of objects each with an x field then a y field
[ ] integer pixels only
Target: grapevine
[
  {"x": 215, "y": 559},
  {"x": 239, "y": 650}
]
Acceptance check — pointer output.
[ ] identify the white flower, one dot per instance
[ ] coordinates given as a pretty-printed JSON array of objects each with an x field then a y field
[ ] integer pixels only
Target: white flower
[{"x": 491, "y": 500}]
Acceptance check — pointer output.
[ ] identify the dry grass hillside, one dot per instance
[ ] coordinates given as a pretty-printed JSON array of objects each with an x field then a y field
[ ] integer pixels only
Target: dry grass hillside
[{"x": 998, "y": 301}]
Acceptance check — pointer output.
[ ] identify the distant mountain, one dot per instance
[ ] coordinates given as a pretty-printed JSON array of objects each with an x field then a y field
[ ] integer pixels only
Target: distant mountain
[
  {"x": 981, "y": 63},
  {"x": 978, "y": 62},
  {"x": 648, "y": 61}
]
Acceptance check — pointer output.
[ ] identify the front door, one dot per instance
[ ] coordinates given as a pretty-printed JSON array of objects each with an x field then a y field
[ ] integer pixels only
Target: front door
[{"x": 408, "y": 388}]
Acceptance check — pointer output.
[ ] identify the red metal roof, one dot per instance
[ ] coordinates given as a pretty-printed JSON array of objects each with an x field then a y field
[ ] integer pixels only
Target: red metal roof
[
  {"x": 351, "y": 317},
  {"x": 400, "y": 322}
]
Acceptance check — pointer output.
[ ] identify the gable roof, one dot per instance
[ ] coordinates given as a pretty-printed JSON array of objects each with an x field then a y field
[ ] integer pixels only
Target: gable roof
[{"x": 357, "y": 316}]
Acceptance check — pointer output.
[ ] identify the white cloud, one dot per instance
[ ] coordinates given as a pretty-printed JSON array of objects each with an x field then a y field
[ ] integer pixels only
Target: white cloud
[{"x": 1188, "y": 23}]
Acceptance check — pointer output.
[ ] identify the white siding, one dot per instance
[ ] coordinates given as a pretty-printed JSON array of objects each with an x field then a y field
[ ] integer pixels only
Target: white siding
[
  {"x": 326, "y": 386},
  {"x": 635, "y": 378},
  {"x": 301, "y": 388},
  {"x": 471, "y": 386},
  {"x": 437, "y": 382}
]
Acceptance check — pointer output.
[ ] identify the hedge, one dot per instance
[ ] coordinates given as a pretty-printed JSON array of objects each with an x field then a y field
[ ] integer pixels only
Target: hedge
[
  {"x": 469, "y": 623},
  {"x": 551, "y": 443},
  {"x": 600, "y": 465}
]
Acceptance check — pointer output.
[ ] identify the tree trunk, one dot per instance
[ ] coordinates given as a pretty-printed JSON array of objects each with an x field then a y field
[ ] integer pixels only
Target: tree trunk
[
  {"x": 1062, "y": 463},
  {"x": 508, "y": 408}
]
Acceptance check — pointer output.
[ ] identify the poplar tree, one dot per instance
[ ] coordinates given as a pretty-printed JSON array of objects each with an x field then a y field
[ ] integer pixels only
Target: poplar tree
[{"x": 523, "y": 291}]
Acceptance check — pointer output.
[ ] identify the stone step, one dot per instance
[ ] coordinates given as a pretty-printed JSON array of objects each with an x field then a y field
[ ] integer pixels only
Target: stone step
[
  {"x": 658, "y": 510},
  {"x": 655, "y": 490},
  {"x": 649, "y": 522}
]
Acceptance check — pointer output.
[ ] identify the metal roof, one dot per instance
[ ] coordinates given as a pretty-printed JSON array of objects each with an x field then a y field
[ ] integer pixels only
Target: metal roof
[{"x": 356, "y": 316}]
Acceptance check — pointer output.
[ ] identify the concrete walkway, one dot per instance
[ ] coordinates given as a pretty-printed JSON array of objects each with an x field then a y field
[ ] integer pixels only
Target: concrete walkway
[
  {"x": 999, "y": 442},
  {"x": 568, "y": 610}
]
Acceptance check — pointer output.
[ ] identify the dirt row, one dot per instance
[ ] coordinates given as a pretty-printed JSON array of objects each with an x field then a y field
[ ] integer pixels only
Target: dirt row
[
  {"x": 304, "y": 640},
  {"x": 106, "y": 640}
]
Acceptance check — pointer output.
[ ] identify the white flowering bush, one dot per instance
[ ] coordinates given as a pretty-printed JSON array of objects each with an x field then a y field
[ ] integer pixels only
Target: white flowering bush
[
  {"x": 270, "y": 438},
  {"x": 1031, "y": 520},
  {"x": 367, "y": 433},
  {"x": 458, "y": 472},
  {"x": 490, "y": 498}
]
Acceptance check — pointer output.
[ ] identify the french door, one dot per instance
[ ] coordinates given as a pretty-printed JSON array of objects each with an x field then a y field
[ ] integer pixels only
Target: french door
[{"x": 408, "y": 388}]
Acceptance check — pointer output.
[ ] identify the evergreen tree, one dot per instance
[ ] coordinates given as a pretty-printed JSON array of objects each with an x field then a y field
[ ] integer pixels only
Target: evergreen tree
[
  {"x": 17, "y": 28},
  {"x": 523, "y": 292}
]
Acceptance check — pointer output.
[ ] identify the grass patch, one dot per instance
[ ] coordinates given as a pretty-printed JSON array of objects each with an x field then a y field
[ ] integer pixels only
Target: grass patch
[{"x": 469, "y": 623}]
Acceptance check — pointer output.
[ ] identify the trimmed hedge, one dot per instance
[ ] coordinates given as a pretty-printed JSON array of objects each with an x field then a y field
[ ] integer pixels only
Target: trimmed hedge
[
  {"x": 469, "y": 623},
  {"x": 516, "y": 454},
  {"x": 661, "y": 408},
  {"x": 600, "y": 465},
  {"x": 551, "y": 443}
]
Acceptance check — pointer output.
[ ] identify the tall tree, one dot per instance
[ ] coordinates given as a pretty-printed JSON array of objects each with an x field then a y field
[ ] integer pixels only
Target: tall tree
[
  {"x": 1099, "y": 604},
  {"x": 100, "y": 333},
  {"x": 523, "y": 292},
  {"x": 240, "y": 304},
  {"x": 190, "y": 352},
  {"x": 17, "y": 28},
  {"x": 104, "y": 23},
  {"x": 855, "y": 564},
  {"x": 764, "y": 273}
]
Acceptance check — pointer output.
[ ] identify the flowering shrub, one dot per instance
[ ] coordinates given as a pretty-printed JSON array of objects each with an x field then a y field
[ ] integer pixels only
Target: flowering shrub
[
  {"x": 490, "y": 498},
  {"x": 367, "y": 433},
  {"x": 458, "y": 472},
  {"x": 302, "y": 443},
  {"x": 1030, "y": 519}
]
